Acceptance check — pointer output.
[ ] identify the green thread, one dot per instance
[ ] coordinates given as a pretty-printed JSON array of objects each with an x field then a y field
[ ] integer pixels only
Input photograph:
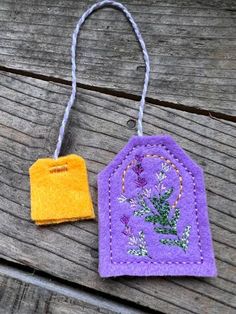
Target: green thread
[
  {"x": 167, "y": 225},
  {"x": 174, "y": 220},
  {"x": 162, "y": 207},
  {"x": 166, "y": 231},
  {"x": 164, "y": 222},
  {"x": 183, "y": 242},
  {"x": 144, "y": 209}
]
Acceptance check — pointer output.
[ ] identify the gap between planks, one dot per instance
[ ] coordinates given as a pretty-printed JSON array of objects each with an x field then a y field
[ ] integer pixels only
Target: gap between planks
[
  {"x": 124, "y": 95},
  {"x": 122, "y": 110},
  {"x": 74, "y": 291}
]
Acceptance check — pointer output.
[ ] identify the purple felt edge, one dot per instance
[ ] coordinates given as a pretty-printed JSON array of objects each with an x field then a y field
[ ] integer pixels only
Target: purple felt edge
[{"x": 108, "y": 269}]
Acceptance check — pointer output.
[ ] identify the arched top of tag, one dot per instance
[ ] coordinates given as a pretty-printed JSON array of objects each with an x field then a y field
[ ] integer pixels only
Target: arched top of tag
[
  {"x": 147, "y": 142},
  {"x": 153, "y": 213}
]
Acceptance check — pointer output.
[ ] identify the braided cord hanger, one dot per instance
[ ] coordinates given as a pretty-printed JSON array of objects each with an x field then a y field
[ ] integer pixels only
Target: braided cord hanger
[{"x": 71, "y": 101}]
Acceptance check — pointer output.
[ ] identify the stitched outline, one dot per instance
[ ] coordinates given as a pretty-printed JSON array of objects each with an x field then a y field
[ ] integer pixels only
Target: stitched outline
[
  {"x": 169, "y": 162},
  {"x": 195, "y": 206}
]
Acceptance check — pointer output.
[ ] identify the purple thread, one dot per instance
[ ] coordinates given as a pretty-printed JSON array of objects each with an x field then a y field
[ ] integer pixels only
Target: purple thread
[
  {"x": 125, "y": 219},
  {"x": 195, "y": 203},
  {"x": 138, "y": 169},
  {"x": 139, "y": 158},
  {"x": 128, "y": 231},
  {"x": 140, "y": 182}
]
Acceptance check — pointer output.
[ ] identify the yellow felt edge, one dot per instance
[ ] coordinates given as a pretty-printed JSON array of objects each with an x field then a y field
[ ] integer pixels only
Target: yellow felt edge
[
  {"x": 57, "y": 221},
  {"x": 81, "y": 208}
]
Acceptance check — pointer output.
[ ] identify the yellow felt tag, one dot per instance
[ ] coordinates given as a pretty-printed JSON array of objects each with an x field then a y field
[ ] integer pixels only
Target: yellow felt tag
[{"x": 59, "y": 190}]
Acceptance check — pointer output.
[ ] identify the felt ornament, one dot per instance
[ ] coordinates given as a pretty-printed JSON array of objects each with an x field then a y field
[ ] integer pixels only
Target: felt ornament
[
  {"x": 153, "y": 218},
  {"x": 59, "y": 190}
]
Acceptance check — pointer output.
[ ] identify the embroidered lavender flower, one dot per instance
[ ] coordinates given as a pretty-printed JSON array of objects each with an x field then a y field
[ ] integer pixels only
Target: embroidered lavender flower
[
  {"x": 138, "y": 169},
  {"x": 125, "y": 219},
  {"x": 122, "y": 199},
  {"x": 139, "y": 158},
  {"x": 128, "y": 231},
  {"x": 140, "y": 182},
  {"x": 156, "y": 209},
  {"x": 139, "y": 243}
]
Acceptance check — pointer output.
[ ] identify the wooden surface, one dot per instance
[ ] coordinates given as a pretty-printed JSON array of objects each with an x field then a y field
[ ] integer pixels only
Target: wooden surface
[
  {"x": 191, "y": 46},
  {"x": 30, "y": 293},
  {"x": 31, "y": 108}
]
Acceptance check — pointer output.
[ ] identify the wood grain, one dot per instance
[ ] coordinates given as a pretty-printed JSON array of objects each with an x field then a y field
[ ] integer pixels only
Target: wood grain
[
  {"x": 30, "y": 115},
  {"x": 44, "y": 296},
  {"x": 191, "y": 46}
]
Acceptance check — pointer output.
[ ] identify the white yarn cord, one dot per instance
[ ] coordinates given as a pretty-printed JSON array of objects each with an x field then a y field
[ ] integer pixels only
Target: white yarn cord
[{"x": 70, "y": 103}]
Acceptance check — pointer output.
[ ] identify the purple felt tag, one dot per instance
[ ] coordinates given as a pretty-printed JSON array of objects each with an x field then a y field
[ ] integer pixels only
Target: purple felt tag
[{"x": 153, "y": 216}]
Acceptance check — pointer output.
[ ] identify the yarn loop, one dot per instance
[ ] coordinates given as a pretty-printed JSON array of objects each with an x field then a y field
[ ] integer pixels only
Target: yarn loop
[{"x": 71, "y": 101}]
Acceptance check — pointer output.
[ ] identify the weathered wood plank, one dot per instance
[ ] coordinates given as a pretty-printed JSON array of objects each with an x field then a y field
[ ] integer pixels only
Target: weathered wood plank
[
  {"x": 98, "y": 130},
  {"x": 29, "y": 293},
  {"x": 191, "y": 45}
]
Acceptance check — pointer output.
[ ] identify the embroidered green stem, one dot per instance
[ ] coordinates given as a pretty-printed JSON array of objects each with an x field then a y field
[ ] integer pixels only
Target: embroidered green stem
[
  {"x": 183, "y": 242},
  {"x": 143, "y": 210},
  {"x": 167, "y": 225},
  {"x": 161, "y": 216},
  {"x": 154, "y": 205},
  {"x": 166, "y": 231}
]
